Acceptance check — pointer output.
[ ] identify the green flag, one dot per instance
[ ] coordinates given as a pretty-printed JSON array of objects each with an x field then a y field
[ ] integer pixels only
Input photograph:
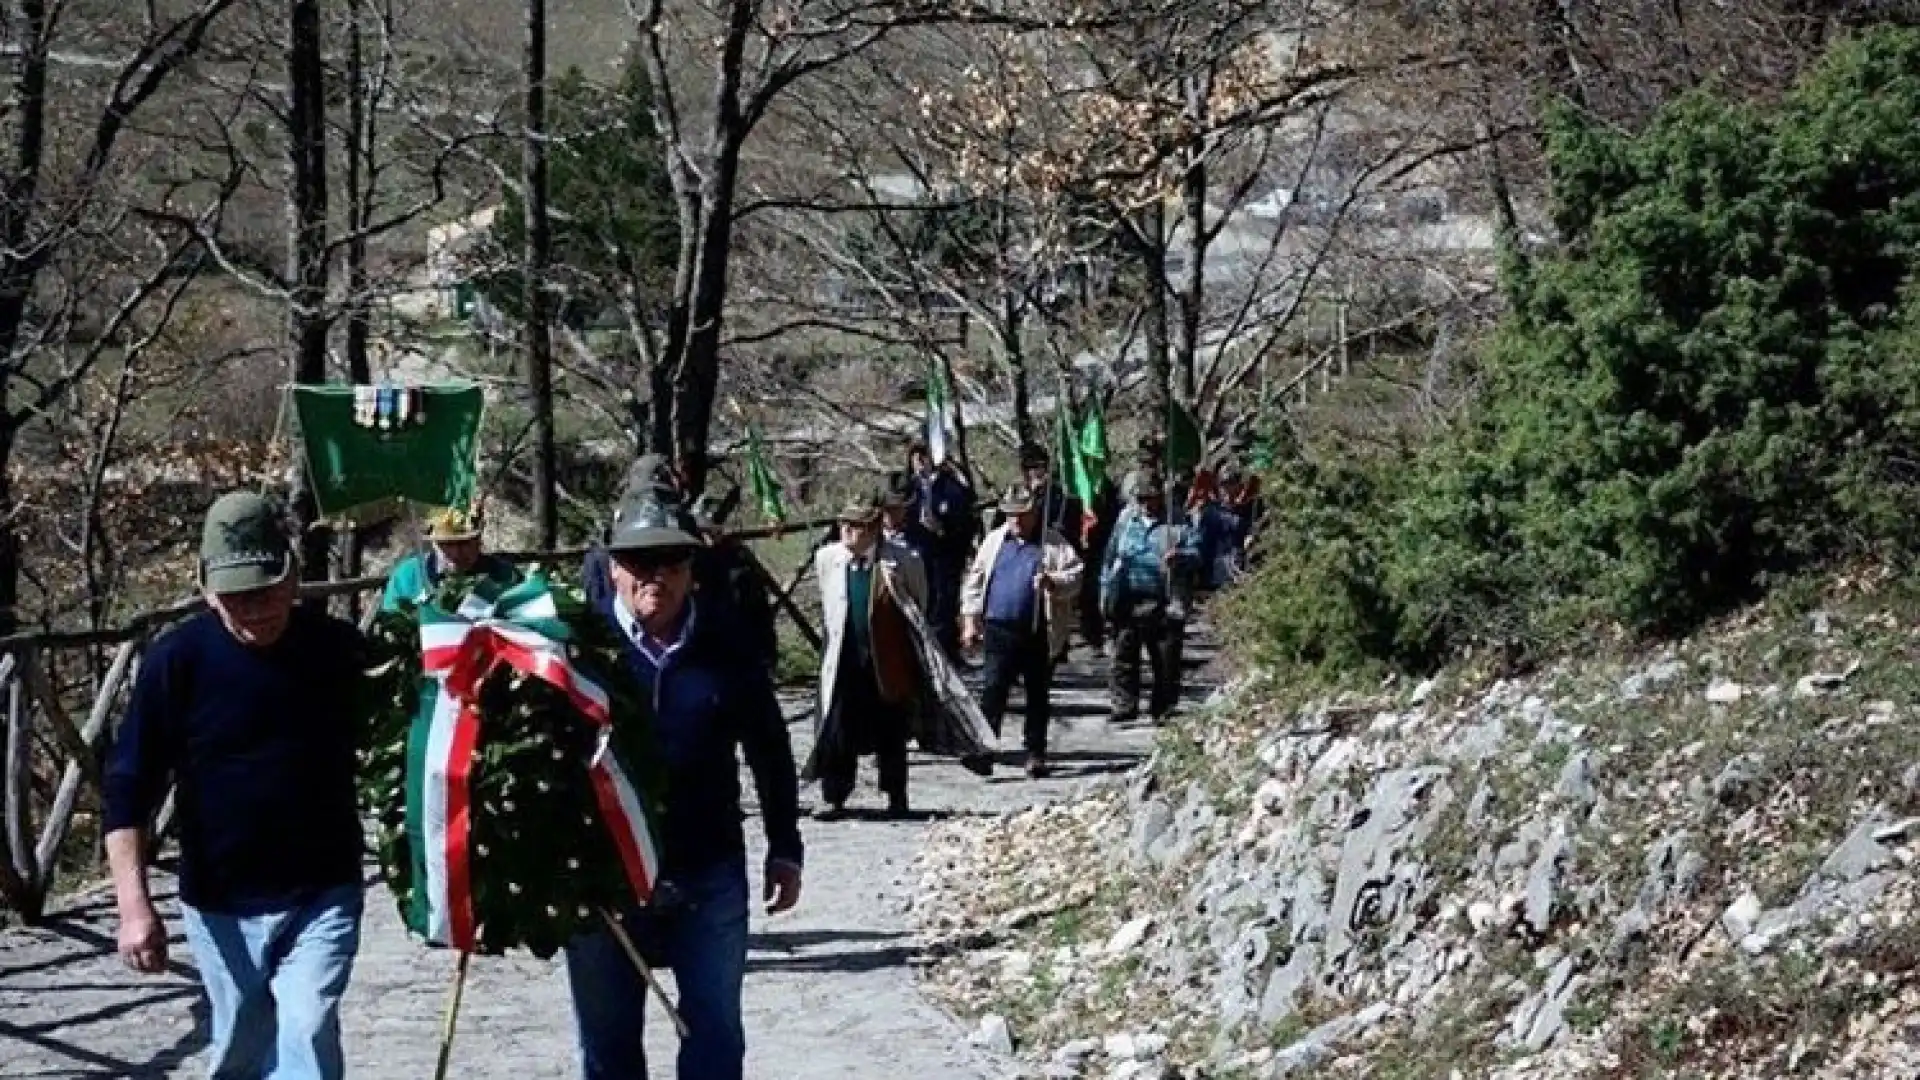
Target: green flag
[
  {"x": 368, "y": 446},
  {"x": 938, "y": 435},
  {"x": 1093, "y": 432},
  {"x": 1075, "y": 473},
  {"x": 766, "y": 487},
  {"x": 1184, "y": 446}
]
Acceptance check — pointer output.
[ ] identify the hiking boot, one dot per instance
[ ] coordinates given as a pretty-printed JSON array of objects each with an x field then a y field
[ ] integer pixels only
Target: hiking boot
[
  {"x": 978, "y": 764},
  {"x": 1037, "y": 767}
]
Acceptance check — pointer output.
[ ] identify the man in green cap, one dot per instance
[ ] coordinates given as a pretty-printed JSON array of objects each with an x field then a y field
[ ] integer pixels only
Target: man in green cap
[
  {"x": 248, "y": 708},
  {"x": 713, "y": 701}
]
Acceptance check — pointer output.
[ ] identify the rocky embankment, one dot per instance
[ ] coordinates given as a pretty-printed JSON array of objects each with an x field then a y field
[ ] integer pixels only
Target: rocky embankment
[{"x": 1694, "y": 863}]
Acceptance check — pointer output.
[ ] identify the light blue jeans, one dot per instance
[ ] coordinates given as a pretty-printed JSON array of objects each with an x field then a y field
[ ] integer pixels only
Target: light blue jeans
[{"x": 274, "y": 980}]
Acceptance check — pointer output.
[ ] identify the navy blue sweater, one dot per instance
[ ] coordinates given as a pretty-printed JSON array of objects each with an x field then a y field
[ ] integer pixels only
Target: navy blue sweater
[
  {"x": 710, "y": 696},
  {"x": 261, "y": 745}
]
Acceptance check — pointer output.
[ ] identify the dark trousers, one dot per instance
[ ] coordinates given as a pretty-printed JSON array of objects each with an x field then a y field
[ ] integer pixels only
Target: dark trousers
[
  {"x": 697, "y": 926},
  {"x": 1093, "y": 625},
  {"x": 862, "y": 724},
  {"x": 1146, "y": 627},
  {"x": 944, "y": 572},
  {"x": 1017, "y": 651}
]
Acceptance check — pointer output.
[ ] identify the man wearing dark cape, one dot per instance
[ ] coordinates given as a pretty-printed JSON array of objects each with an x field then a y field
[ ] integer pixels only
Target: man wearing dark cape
[{"x": 884, "y": 679}]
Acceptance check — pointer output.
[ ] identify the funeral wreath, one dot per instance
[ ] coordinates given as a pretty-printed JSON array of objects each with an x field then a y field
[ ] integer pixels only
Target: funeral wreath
[{"x": 509, "y": 766}]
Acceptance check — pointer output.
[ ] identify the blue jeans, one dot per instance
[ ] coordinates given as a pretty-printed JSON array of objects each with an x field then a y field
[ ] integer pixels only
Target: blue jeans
[
  {"x": 697, "y": 926},
  {"x": 274, "y": 981}
]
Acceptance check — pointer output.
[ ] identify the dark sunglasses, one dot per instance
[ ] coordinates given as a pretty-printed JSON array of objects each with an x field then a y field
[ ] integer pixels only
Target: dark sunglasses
[{"x": 652, "y": 563}]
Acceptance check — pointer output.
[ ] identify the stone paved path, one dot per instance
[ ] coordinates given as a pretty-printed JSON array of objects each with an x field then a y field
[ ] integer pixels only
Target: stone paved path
[{"x": 830, "y": 995}]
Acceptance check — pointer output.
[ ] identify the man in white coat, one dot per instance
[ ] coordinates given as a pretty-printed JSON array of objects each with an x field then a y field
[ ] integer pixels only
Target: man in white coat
[
  {"x": 870, "y": 677},
  {"x": 1019, "y": 603}
]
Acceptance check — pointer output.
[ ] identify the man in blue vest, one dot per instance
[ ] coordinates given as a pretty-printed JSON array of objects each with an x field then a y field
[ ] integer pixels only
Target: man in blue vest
[{"x": 713, "y": 699}]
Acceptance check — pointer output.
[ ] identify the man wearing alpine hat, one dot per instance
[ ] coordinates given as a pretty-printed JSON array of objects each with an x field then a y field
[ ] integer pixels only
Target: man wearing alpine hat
[
  {"x": 248, "y": 708},
  {"x": 455, "y": 534},
  {"x": 714, "y": 699}
]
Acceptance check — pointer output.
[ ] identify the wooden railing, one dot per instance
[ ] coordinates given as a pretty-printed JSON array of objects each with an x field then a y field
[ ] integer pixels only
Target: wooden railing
[{"x": 43, "y": 689}]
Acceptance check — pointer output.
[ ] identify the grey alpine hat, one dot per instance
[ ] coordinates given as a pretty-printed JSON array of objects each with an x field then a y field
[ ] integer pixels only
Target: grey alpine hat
[
  {"x": 243, "y": 544},
  {"x": 646, "y": 523}
]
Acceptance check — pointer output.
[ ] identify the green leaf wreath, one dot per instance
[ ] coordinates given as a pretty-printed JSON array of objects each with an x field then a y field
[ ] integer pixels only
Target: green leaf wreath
[{"x": 543, "y": 864}]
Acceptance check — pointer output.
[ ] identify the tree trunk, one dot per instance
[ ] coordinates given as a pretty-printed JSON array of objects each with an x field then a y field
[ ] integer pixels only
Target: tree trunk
[
  {"x": 1193, "y": 198},
  {"x": 1016, "y": 358},
  {"x": 307, "y": 251},
  {"x": 17, "y": 272},
  {"x": 1148, "y": 240},
  {"x": 9, "y": 538},
  {"x": 539, "y": 254},
  {"x": 360, "y": 137}
]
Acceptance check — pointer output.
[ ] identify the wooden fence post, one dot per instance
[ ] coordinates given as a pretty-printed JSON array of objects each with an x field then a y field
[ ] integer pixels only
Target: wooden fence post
[
  {"x": 41, "y": 688},
  {"x": 60, "y": 818},
  {"x": 16, "y": 852}
]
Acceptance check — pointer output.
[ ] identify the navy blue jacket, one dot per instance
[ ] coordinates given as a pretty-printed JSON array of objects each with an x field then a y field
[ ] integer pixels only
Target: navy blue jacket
[
  {"x": 710, "y": 697},
  {"x": 261, "y": 744}
]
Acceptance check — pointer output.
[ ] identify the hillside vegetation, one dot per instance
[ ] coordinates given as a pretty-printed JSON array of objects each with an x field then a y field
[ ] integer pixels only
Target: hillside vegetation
[
  {"x": 1711, "y": 386},
  {"x": 1578, "y": 740}
]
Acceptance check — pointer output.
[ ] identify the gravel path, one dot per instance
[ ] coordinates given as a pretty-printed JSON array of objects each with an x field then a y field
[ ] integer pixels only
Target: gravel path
[{"x": 830, "y": 993}]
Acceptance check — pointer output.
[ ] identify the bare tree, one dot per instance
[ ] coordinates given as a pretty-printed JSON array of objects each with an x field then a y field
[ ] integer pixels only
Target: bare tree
[
  {"x": 538, "y": 323},
  {"x": 54, "y": 197}
]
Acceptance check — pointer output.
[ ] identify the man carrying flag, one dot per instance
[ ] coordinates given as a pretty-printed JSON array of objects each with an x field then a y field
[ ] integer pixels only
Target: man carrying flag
[{"x": 712, "y": 701}]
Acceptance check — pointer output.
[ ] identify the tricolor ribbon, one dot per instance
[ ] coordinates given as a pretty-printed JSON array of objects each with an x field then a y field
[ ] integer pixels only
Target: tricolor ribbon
[{"x": 460, "y": 654}]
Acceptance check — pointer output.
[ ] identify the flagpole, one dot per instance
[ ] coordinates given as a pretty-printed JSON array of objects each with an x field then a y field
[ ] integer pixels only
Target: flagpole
[{"x": 453, "y": 1015}]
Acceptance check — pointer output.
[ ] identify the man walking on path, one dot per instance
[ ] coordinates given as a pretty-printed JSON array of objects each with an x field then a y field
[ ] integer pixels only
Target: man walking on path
[
  {"x": 1100, "y": 519},
  {"x": 1144, "y": 560},
  {"x": 942, "y": 504},
  {"x": 869, "y": 677},
  {"x": 712, "y": 699},
  {"x": 1018, "y": 603},
  {"x": 457, "y": 549},
  {"x": 249, "y": 709}
]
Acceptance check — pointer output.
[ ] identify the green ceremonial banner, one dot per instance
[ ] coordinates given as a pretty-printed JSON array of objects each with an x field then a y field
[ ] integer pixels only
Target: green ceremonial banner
[{"x": 367, "y": 446}]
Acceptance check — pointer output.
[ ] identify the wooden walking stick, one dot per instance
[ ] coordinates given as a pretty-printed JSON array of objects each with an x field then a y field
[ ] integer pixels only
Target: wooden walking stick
[
  {"x": 453, "y": 1014},
  {"x": 633, "y": 954}
]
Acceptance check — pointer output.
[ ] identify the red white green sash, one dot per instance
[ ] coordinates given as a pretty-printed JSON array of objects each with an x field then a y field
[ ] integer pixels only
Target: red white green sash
[{"x": 459, "y": 652}]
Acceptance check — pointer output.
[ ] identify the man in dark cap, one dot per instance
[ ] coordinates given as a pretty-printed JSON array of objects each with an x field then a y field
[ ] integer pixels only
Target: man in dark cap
[
  {"x": 941, "y": 504},
  {"x": 713, "y": 701},
  {"x": 248, "y": 709},
  {"x": 1145, "y": 560},
  {"x": 1060, "y": 509},
  {"x": 869, "y": 677},
  {"x": 1016, "y": 603}
]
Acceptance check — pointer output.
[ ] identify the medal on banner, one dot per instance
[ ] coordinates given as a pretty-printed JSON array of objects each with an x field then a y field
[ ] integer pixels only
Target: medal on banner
[{"x": 389, "y": 408}]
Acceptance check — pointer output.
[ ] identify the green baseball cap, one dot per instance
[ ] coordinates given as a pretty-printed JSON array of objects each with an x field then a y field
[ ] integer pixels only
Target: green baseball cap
[{"x": 243, "y": 544}]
